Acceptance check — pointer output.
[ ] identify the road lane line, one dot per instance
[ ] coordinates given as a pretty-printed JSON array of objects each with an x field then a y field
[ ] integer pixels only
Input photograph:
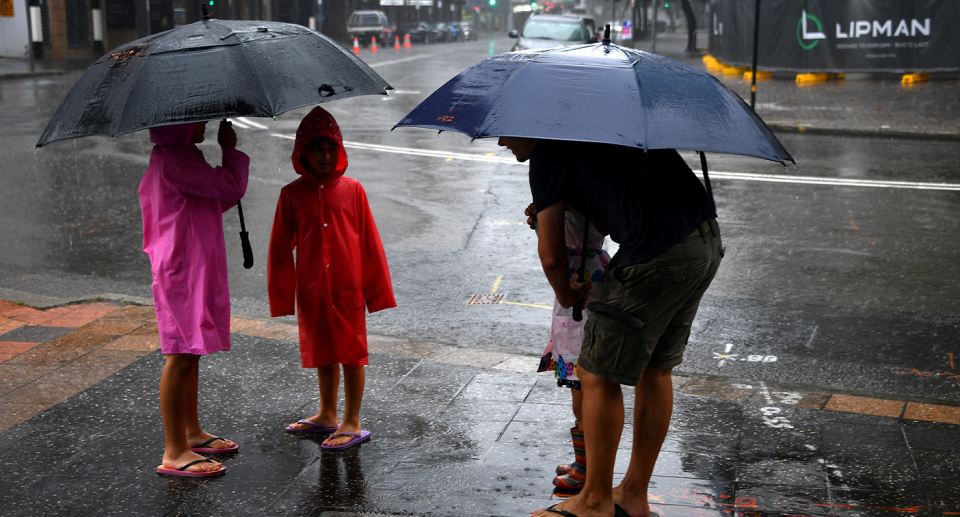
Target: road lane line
[
  {"x": 527, "y": 305},
  {"x": 496, "y": 285},
  {"x": 404, "y": 60},
  {"x": 742, "y": 176},
  {"x": 249, "y": 122}
]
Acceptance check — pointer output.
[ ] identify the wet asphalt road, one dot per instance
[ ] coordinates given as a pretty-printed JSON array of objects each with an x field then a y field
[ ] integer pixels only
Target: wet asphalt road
[{"x": 849, "y": 286}]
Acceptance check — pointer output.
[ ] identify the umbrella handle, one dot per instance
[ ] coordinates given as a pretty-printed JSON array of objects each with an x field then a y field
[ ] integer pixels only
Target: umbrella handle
[
  {"x": 245, "y": 240},
  {"x": 578, "y": 307}
]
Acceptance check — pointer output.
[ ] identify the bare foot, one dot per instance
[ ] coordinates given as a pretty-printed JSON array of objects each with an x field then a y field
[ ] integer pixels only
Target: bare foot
[
  {"x": 198, "y": 439},
  {"x": 635, "y": 507},
  {"x": 340, "y": 440},
  {"x": 179, "y": 461},
  {"x": 318, "y": 419},
  {"x": 577, "y": 506}
]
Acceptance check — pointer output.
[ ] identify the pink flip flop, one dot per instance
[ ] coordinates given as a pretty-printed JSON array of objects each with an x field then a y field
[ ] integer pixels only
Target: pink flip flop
[
  {"x": 184, "y": 473},
  {"x": 364, "y": 436},
  {"x": 203, "y": 449},
  {"x": 316, "y": 428}
]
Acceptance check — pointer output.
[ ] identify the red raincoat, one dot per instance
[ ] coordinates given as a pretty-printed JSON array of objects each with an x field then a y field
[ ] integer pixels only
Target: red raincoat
[{"x": 340, "y": 263}]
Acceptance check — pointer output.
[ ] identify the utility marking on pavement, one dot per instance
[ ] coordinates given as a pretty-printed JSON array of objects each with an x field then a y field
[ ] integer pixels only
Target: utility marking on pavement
[
  {"x": 950, "y": 355},
  {"x": 527, "y": 305},
  {"x": 496, "y": 284},
  {"x": 485, "y": 299},
  {"x": 899, "y": 370},
  {"x": 776, "y": 422}
]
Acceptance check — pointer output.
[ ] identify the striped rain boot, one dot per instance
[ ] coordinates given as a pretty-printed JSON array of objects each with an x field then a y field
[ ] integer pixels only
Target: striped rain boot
[{"x": 574, "y": 475}]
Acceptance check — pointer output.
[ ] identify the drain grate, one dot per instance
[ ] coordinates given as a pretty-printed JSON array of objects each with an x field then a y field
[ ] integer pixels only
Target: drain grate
[{"x": 485, "y": 299}]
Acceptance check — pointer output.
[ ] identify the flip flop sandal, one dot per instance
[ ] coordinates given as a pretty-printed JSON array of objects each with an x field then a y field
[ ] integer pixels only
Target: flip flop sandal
[
  {"x": 564, "y": 513},
  {"x": 203, "y": 449},
  {"x": 316, "y": 428},
  {"x": 620, "y": 512},
  {"x": 184, "y": 473},
  {"x": 363, "y": 436}
]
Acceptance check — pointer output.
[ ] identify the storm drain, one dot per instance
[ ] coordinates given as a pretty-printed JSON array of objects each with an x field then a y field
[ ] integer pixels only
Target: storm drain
[{"x": 485, "y": 299}]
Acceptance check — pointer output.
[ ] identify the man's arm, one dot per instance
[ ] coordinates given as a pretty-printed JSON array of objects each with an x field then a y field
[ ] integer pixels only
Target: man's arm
[{"x": 553, "y": 256}]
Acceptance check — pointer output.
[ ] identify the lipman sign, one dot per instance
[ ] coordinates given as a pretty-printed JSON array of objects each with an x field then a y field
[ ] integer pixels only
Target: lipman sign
[{"x": 839, "y": 35}]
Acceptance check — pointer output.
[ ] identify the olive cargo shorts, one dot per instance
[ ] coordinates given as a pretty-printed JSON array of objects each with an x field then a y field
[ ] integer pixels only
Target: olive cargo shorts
[{"x": 641, "y": 314}]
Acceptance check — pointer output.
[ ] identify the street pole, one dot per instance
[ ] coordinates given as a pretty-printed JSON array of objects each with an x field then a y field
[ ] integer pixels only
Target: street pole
[
  {"x": 756, "y": 42},
  {"x": 29, "y": 33},
  {"x": 653, "y": 38}
]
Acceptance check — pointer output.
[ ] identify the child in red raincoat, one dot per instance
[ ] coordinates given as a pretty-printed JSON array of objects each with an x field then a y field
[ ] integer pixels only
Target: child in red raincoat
[{"x": 340, "y": 268}]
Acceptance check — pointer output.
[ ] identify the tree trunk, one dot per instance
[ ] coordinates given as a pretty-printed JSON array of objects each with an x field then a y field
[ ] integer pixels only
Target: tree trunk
[
  {"x": 336, "y": 20},
  {"x": 691, "y": 25}
]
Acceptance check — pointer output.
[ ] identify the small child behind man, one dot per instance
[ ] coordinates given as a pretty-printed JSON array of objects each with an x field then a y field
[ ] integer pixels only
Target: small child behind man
[{"x": 340, "y": 267}]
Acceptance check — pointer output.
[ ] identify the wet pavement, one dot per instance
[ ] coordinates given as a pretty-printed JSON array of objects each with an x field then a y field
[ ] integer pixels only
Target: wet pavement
[
  {"x": 821, "y": 377},
  {"x": 455, "y": 432}
]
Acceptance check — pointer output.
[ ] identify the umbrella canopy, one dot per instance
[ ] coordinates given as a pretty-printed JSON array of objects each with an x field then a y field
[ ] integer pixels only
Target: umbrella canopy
[
  {"x": 208, "y": 70},
  {"x": 598, "y": 93}
]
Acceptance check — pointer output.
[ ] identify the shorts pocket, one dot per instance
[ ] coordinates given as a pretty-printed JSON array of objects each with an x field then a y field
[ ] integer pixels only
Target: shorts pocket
[
  {"x": 682, "y": 273},
  {"x": 614, "y": 337}
]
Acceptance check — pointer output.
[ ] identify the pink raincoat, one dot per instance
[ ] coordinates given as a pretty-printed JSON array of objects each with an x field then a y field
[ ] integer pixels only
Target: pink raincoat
[
  {"x": 182, "y": 198},
  {"x": 340, "y": 264}
]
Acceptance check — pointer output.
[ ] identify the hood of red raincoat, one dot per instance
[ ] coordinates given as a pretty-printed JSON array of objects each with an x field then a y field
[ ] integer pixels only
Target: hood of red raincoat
[
  {"x": 180, "y": 134},
  {"x": 318, "y": 123}
]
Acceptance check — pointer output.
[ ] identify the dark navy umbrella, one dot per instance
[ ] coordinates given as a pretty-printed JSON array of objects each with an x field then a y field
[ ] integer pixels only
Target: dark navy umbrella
[
  {"x": 598, "y": 93},
  {"x": 209, "y": 70}
]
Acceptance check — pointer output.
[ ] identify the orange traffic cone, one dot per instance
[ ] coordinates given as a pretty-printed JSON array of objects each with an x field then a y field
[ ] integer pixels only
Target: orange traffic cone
[
  {"x": 406, "y": 41},
  {"x": 356, "y": 46},
  {"x": 373, "y": 44},
  {"x": 396, "y": 42}
]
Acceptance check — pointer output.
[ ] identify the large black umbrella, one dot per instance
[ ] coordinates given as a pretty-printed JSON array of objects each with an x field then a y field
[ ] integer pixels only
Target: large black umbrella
[{"x": 211, "y": 69}]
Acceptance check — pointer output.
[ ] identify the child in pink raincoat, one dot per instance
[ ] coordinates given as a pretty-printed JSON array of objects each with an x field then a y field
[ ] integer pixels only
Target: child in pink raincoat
[
  {"x": 182, "y": 198},
  {"x": 340, "y": 268}
]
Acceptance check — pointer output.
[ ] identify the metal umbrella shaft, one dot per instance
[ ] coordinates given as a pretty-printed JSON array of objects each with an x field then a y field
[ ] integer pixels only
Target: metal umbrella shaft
[{"x": 581, "y": 271}]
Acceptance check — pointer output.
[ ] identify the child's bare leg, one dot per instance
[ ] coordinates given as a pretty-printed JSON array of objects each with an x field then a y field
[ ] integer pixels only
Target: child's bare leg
[
  {"x": 354, "y": 378},
  {"x": 577, "y": 405},
  {"x": 328, "y": 380},
  {"x": 178, "y": 391},
  {"x": 196, "y": 435}
]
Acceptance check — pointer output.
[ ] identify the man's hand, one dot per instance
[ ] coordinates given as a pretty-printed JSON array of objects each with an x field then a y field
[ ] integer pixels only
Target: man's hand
[
  {"x": 582, "y": 290},
  {"x": 531, "y": 213},
  {"x": 227, "y": 137}
]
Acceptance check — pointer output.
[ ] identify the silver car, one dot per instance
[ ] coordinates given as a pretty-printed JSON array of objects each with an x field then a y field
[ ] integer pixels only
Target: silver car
[{"x": 548, "y": 30}]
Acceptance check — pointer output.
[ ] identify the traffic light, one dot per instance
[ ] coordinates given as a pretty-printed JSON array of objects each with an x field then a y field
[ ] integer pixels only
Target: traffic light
[
  {"x": 666, "y": 4},
  {"x": 533, "y": 5},
  {"x": 211, "y": 2},
  {"x": 493, "y": 3},
  {"x": 476, "y": 8}
]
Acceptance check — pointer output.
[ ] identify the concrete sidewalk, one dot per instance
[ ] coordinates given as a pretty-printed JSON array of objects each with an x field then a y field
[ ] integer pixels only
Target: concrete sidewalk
[{"x": 455, "y": 432}]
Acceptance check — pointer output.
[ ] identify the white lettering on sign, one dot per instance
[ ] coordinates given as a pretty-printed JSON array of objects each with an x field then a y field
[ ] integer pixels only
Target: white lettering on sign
[{"x": 876, "y": 28}]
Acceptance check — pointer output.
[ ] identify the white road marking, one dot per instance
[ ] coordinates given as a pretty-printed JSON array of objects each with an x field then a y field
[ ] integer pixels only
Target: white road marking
[
  {"x": 404, "y": 60},
  {"x": 249, "y": 122},
  {"x": 239, "y": 124},
  {"x": 742, "y": 176}
]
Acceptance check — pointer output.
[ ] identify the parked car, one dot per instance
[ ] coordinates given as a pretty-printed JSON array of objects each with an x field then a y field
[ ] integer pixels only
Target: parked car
[
  {"x": 456, "y": 31},
  {"x": 442, "y": 32},
  {"x": 467, "y": 30},
  {"x": 420, "y": 32},
  {"x": 364, "y": 25},
  {"x": 550, "y": 30}
]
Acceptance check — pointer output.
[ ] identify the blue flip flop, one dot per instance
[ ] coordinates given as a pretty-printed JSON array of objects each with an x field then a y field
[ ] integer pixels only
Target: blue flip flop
[
  {"x": 315, "y": 428},
  {"x": 363, "y": 436}
]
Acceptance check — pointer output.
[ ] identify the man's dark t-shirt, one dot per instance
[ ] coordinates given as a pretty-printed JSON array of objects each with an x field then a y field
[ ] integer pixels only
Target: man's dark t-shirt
[{"x": 644, "y": 203}]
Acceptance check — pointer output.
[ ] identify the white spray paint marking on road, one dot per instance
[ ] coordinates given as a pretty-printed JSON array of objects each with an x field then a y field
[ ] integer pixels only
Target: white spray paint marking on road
[
  {"x": 742, "y": 176},
  {"x": 776, "y": 422}
]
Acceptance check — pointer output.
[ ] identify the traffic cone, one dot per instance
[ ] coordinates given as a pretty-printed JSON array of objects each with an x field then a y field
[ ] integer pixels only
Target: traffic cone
[
  {"x": 406, "y": 41},
  {"x": 356, "y": 46},
  {"x": 373, "y": 44},
  {"x": 396, "y": 42}
]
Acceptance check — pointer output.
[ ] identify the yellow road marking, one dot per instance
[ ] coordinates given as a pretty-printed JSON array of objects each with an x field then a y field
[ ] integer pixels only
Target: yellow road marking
[
  {"x": 527, "y": 305},
  {"x": 496, "y": 284}
]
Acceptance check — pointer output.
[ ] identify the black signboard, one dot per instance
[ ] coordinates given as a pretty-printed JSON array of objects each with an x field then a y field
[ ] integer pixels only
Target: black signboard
[{"x": 836, "y": 36}]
